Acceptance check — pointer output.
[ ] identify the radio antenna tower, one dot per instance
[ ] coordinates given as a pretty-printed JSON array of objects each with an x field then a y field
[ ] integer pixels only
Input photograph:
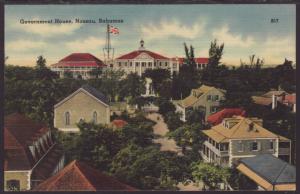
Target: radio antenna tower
[{"x": 108, "y": 51}]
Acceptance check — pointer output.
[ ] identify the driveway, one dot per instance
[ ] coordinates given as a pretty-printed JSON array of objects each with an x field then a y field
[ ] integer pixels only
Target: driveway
[{"x": 161, "y": 129}]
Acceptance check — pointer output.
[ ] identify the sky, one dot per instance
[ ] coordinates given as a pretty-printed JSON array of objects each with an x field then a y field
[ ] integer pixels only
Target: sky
[{"x": 244, "y": 30}]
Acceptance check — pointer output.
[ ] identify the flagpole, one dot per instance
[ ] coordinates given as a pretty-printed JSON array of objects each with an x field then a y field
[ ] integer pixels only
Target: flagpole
[{"x": 108, "y": 42}]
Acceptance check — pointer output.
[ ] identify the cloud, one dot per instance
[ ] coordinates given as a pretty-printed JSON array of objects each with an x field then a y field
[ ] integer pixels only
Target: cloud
[
  {"x": 48, "y": 30},
  {"x": 229, "y": 39},
  {"x": 24, "y": 45},
  {"x": 88, "y": 44},
  {"x": 167, "y": 29},
  {"x": 275, "y": 49}
]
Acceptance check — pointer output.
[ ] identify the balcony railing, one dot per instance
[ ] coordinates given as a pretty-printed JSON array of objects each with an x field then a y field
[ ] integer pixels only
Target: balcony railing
[{"x": 216, "y": 150}]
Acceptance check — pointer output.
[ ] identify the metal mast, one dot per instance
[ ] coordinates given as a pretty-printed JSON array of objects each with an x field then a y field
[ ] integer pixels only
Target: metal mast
[{"x": 108, "y": 51}]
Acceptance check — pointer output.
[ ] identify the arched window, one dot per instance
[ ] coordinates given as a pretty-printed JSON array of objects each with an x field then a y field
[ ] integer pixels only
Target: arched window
[
  {"x": 67, "y": 118},
  {"x": 95, "y": 117}
]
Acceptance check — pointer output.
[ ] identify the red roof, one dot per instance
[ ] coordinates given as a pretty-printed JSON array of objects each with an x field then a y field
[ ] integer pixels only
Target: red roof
[
  {"x": 136, "y": 53},
  {"x": 119, "y": 123},
  {"x": 80, "y": 60},
  {"x": 78, "y": 176},
  {"x": 291, "y": 99},
  {"x": 198, "y": 60},
  {"x": 19, "y": 133},
  {"x": 217, "y": 117}
]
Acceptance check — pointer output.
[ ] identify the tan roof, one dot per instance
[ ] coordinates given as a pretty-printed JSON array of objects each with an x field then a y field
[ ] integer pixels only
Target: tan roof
[
  {"x": 240, "y": 130},
  {"x": 190, "y": 100},
  {"x": 262, "y": 100},
  {"x": 275, "y": 92},
  {"x": 255, "y": 177}
]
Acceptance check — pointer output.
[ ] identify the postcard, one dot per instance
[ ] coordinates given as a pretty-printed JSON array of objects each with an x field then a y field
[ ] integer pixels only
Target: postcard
[{"x": 135, "y": 97}]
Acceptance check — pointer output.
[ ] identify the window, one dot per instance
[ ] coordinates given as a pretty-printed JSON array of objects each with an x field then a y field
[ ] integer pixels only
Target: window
[
  {"x": 137, "y": 64},
  {"x": 125, "y": 64},
  {"x": 143, "y": 64},
  {"x": 224, "y": 147},
  {"x": 240, "y": 146},
  {"x": 208, "y": 97},
  {"x": 166, "y": 64},
  {"x": 154, "y": 64},
  {"x": 160, "y": 64},
  {"x": 120, "y": 64},
  {"x": 67, "y": 118},
  {"x": 13, "y": 185},
  {"x": 213, "y": 109},
  {"x": 271, "y": 145},
  {"x": 255, "y": 146},
  {"x": 95, "y": 117},
  {"x": 216, "y": 97},
  {"x": 130, "y": 64},
  {"x": 149, "y": 64}
]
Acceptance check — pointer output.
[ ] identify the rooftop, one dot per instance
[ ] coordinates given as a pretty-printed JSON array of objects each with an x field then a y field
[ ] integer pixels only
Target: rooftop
[
  {"x": 80, "y": 59},
  {"x": 19, "y": 133},
  {"x": 270, "y": 168},
  {"x": 239, "y": 127},
  {"x": 191, "y": 99},
  {"x": 134, "y": 54},
  {"x": 90, "y": 90},
  {"x": 78, "y": 176},
  {"x": 217, "y": 117}
]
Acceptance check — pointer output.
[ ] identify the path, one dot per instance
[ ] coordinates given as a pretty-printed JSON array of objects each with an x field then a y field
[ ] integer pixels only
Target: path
[{"x": 161, "y": 129}]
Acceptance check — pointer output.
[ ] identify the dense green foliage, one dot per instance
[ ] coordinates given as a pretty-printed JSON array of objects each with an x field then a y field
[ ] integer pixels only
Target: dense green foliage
[{"x": 210, "y": 174}]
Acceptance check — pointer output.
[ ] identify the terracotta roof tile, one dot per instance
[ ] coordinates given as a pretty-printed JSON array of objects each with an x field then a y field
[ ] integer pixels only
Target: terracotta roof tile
[
  {"x": 78, "y": 176},
  {"x": 217, "y": 117},
  {"x": 199, "y": 60},
  {"x": 80, "y": 60}
]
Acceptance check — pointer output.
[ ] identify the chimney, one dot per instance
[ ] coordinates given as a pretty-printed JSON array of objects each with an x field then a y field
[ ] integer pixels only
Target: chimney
[
  {"x": 251, "y": 126},
  {"x": 274, "y": 101}
]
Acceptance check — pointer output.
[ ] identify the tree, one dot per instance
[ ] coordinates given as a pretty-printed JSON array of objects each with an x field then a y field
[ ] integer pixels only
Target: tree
[
  {"x": 149, "y": 168},
  {"x": 188, "y": 136},
  {"x": 132, "y": 86},
  {"x": 172, "y": 120},
  {"x": 165, "y": 106},
  {"x": 215, "y": 54},
  {"x": 195, "y": 116},
  {"x": 209, "y": 174},
  {"x": 98, "y": 144},
  {"x": 188, "y": 76},
  {"x": 110, "y": 84},
  {"x": 256, "y": 64},
  {"x": 139, "y": 134},
  {"x": 41, "y": 62}
]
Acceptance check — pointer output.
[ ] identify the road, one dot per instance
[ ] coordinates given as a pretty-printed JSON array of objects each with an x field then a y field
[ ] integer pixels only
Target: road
[{"x": 160, "y": 129}]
